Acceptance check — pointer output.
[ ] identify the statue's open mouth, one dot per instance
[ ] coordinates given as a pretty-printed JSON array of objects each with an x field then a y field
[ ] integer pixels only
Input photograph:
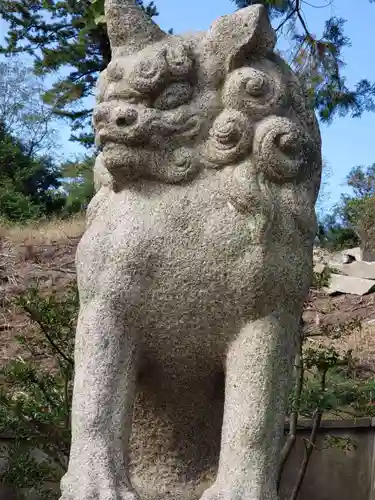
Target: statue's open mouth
[
  {"x": 110, "y": 145},
  {"x": 149, "y": 132}
]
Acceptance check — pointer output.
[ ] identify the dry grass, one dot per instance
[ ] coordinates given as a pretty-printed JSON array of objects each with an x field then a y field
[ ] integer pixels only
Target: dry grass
[
  {"x": 362, "y": 342},
  {"x": 44, "y": 233}
]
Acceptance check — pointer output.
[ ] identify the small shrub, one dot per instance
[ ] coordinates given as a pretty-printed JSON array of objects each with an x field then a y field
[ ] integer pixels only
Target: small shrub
[
  {"x": 325, "y": 385},
  {"x": 321, "y": 279},
  {"x": 35, "y": 403}
]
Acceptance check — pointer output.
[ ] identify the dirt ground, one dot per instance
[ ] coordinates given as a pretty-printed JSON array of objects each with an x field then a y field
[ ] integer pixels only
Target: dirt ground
[{"x": 40, "y": 256}]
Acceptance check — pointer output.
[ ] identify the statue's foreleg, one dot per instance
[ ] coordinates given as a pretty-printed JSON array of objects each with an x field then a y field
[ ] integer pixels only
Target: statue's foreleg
[{"x": 258, "y": 372}]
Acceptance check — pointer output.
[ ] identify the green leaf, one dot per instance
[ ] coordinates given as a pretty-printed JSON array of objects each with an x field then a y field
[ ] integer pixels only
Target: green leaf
[{"x": 100, "y": 19}]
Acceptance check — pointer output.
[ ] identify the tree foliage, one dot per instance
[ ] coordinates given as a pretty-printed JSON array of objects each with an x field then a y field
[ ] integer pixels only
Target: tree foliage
[
  {"x": 334, "y": 234},
  {"x": 319, "y": 61},
  {"x": 31, "y": 181},
  {"x": 357, "y": 211},
  {"x": 71, "y": 36},
  {"x": 78, "y": 183},
  {"x": 62, "y": 35},
  {"x": 27, "y": 182},
  {"x": 352, "y": 220},
  {"x": 22, "y": 109}
]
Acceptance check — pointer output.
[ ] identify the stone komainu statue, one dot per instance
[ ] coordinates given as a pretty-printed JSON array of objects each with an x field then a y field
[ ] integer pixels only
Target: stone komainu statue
[{"x": 195, "y": 263}]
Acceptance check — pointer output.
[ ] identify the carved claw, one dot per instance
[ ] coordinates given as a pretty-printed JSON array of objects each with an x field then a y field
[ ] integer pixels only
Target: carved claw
[
  {"x": 101, "y": 494},
  {"x": 245, "y": 493}
]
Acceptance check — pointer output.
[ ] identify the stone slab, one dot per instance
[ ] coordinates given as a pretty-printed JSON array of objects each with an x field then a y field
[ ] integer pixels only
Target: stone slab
[
  {"x": 357, "y": 269},
  {"x": 349, "y": 284}
]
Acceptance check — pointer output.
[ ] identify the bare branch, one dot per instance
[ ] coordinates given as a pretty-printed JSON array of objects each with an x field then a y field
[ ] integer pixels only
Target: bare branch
[
  {"x": 34, "y": 316},
  {"x": 291, "y": 439},
  {"x": 310, "y": 444}
]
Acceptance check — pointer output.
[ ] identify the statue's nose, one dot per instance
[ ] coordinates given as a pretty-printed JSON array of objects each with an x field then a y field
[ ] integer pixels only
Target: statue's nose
[{"x": 126, "y": 117}]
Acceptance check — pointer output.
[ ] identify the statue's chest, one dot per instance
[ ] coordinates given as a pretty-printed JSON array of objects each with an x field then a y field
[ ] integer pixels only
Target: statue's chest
[{"x": 198, "y": 227}]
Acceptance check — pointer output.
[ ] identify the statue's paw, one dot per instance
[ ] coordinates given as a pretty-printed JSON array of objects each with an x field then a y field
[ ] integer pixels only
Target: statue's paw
[
  {"x": 95, "y": 492},
  {"x": 250, "y": 492},
  {"x": 95, "y": 483}
]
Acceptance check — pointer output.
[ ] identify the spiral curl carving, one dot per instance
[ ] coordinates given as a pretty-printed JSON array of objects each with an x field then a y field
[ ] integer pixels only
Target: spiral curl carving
[
  {"x": 181, "y": 166},
  {"x": 148, "y": 74},
  {"x": 158, "y": 102},
  {"x": 176, "y": 94},
  {"x": 280, "y": 148},
  {"x": 229, "y": 138},
  {"x": 252, "y": 91},
  {"x": 170, "y": 63},
  {"x": 179, "y": 60}
]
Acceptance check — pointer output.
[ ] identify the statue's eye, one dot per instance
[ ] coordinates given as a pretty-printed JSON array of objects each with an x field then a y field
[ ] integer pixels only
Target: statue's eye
[
  {"x": 148, "y": 75},
  {"x": 148, "y": 69},
  {"x": 174, "y": 95}
]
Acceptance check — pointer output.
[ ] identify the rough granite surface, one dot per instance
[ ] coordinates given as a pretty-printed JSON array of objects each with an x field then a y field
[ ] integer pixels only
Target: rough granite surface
[{"x": 195, "y": 263}]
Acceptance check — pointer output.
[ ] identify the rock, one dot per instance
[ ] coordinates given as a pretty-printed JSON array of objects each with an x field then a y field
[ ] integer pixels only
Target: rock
[
  {"x": 347, "y": 259},
  {"x": 354, "y": 253},
  {"x": 357, "y": 269},
  {"x": 349, "y": 284},
  {"x": 362, "y": 253},
  {"x": 196, "y": 256},
  {"x": 321, "y": 256}
]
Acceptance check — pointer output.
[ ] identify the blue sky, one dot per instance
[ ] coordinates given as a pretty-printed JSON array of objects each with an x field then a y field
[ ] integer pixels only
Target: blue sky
[{"x": 347, "y": 142}]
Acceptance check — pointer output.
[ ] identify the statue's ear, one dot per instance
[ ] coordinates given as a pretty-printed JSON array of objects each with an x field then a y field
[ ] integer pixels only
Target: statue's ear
[
  {"x": 129, "y": 27},
  {"x": 236, "y": 36}
]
